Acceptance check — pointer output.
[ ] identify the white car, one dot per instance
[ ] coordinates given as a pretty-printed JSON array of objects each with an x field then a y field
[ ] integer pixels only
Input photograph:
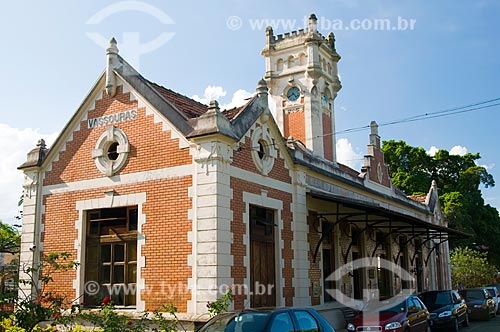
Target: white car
[{"x": 495, "y": 294}]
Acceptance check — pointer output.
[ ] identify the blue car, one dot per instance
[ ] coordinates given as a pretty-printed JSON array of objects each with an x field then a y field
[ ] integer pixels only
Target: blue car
[{"x": 268, "y": 320}]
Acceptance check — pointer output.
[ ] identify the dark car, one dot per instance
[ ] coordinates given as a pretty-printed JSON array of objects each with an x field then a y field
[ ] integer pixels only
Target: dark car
[
  {"x": 396, "y": 314},
  {"x": 268, "y": 320},
  {"x": 447, "y": 308},
  {"x": 495, "y": 295},
  {"x": 479, "y": 303}
]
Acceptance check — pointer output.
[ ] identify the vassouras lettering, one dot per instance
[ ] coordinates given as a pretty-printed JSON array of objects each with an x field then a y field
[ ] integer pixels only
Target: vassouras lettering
[{"x": 112, "y": 118}]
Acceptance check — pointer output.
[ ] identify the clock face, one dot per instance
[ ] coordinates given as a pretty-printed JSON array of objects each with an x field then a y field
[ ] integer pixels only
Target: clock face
[
  {"x": 293, "y": 93},
  {"x": 324, "y": 100}
]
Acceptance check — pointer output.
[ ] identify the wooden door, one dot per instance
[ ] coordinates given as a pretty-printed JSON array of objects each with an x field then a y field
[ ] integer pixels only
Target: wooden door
[
  {"x": 357, "y": 274},
  {"x": 262, "y": 258}
]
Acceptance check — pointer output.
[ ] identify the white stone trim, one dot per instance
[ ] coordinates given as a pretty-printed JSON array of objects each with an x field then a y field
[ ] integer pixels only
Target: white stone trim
[
  {"x": 277, "y": 205},
  {"x": 131, "y": 178},
  {"x": 300, "y": 244},
  {"x": 242, "y": 174},
  {"x": 211, "y": 235},
  {"x": 110, "y": 201}
]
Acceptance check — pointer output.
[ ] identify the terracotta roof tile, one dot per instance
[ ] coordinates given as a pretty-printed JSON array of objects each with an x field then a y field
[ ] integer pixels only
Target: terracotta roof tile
[
  {"x": 191, "y": 108},
  {"x": 347, "y": 169},
  {"x": 418, "y": 198},
  {"x": 233, "y": 112}
]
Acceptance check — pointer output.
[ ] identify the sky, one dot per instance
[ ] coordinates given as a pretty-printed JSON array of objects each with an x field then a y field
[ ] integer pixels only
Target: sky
[{"x": 432, "y": 56}]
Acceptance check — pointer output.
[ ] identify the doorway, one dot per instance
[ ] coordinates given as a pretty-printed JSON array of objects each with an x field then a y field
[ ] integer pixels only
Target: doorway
[{"x": 262, "y": 258}]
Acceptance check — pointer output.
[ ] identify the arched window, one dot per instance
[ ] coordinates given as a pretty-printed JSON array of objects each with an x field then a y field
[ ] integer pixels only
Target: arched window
[
  {"x": 302, "y": 59},
  {"x": 279, "y": 65}
]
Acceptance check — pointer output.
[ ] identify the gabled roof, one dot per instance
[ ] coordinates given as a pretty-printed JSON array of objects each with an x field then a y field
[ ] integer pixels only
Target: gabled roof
[
  {"x": 194, "y": 119},
  {"x": 191, "y": 108}
]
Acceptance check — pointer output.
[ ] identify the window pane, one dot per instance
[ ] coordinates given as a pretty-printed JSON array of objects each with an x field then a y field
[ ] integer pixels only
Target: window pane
[
  {"x": 105, "y": 277},
  {"x": 131, "y": 252},
  {"x": 119, "y": 253},
  {"x": 132, "y": 273},
  {"x": 132, "y": 215},
  {"x": 91, "y": 272},
  {"x": 130, "y": 299},
  {"x": 92, "y": 254},
  {"x": 106, "y": 253},
  {"x": 118, "y": 274},
  {"x": 306, "y": 321},
  {"x": 94, "y": 228},
  {"x": 117, "y": 295},
  {"x": 282, "y": 323}
]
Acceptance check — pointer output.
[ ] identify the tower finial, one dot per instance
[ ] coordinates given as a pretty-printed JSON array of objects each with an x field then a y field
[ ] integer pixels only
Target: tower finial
[
  {"x": 374, "y": 128},
  {"x": 313, "y": 24},
  {"x": 374, "y": 137}
]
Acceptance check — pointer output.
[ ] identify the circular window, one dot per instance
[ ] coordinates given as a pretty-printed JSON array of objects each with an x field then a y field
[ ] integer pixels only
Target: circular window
[
  {"x": 263, "y": 152},
  {"x": 111, "y": 151}
]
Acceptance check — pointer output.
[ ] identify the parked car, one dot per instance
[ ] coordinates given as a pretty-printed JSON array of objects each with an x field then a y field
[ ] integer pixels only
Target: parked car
[
  {"x": 447, "y": 309},
  {"x": 268, "y": 320},
  {"x": 479, "y": 303},
  {"x": 495, "y": 294},
  {"x": 397, "y": 314}
]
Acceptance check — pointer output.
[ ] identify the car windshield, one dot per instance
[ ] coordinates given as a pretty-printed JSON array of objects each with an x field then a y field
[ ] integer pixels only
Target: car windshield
[
  {"x": 436, "y": 299},
  {"x": 472, "y": 295},
  {"x": 237, "y": 322},
  {"x": 389, "y": 305},
  {"x": 491, "y": 291}
]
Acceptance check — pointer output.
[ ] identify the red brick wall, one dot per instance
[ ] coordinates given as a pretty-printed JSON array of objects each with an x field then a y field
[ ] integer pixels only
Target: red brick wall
[
  {"x": 327, "y": 139},
  {"x": 166, "y": 247},
  {"x": 373, "y": 175},
  {"x": 243, "y": 159},
  {"x": 295, "y": 125}
]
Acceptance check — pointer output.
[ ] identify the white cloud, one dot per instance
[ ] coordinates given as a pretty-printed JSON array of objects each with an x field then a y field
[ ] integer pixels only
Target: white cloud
[
  {"x": 15, "y": 143},
  {"x": 239, "y": 97},
  {"x": 458, "y": 150},
  {"x": 488, "y": 167},
  {"x": 432, "y": 151},
  {"x": 347, "y": 155},
  {"x": 211, "y": 93}
]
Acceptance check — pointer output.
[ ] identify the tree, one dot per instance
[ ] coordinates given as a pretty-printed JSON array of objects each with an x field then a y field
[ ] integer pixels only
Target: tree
[
  {"x": 10, "y": 239},
  {"x": 470, "y": 268},
  {"x": 459, "y": 179}
]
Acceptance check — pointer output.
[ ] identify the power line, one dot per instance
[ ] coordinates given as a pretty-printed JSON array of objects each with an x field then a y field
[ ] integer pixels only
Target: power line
[{"x": 426, "y": 116}]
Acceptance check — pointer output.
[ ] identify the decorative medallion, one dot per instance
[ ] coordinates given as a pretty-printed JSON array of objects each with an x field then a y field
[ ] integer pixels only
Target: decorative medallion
[
  {"x": 263, "y": 149},
  {"x": 111, "y": 151},
  {"x": 380, "y": 173}
]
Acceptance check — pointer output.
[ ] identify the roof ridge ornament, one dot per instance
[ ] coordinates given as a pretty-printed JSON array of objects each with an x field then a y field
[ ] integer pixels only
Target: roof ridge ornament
[{"x": 111, "y": 64}]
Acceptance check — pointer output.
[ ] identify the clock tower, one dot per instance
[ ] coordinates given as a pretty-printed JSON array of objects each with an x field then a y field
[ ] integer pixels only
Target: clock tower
[{"x": 301, "y": 73}]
